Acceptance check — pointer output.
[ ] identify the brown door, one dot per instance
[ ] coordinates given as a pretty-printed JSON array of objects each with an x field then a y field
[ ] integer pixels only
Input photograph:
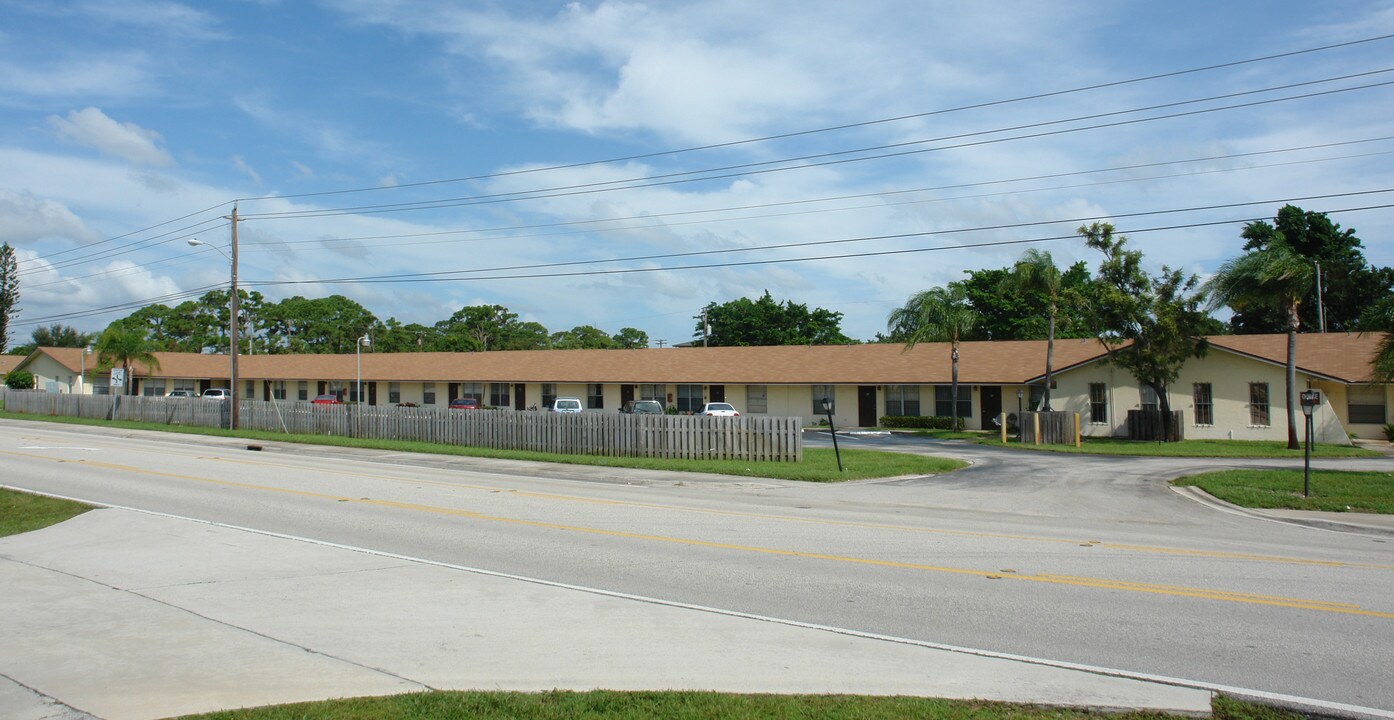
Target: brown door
[
  {"x": 866, "y": 405},
  {"x": 626, "y": 394},
  {"x": 718, "y": 393},
  {"x": 520, "y": 396},
  {"x": 992, "y": 406}
]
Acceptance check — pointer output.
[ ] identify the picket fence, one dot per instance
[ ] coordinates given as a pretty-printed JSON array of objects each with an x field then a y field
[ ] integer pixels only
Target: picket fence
[{"x": 755, "y": 438}]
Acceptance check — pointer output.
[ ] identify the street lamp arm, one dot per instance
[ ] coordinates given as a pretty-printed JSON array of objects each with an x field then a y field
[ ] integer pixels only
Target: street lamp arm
[{"x": 199, "y": 243}]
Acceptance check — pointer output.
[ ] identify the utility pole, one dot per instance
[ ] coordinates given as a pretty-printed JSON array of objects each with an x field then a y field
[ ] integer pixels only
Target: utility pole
[
  {"x": 232, "y": 326},
  {"x": 706, "y": 328},
  {"x": 1321, "y": 309}
]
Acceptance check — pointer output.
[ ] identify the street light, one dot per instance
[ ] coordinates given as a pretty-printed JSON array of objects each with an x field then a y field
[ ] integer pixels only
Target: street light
[
  {"x": 828, "y": 408},
  {"x": 1019, "y": 423},
  {"x": 1310, "y": 400},
  {"x": 232, "y": 319},
  {"x": 358, "y": 348},
  {"x": 82, "y": 369}
]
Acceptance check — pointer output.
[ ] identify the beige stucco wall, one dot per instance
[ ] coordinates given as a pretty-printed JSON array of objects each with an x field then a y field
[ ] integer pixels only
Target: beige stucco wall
[
  {"x": 51, "y": 376},
  {"x": 1229, "y": 376}
]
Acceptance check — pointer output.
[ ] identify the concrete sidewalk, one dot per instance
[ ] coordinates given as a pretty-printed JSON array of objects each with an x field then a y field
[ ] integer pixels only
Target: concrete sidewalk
[{"x": 119, "y": 614}]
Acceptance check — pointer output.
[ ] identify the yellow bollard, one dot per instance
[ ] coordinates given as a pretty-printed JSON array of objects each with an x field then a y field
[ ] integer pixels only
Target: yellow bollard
[
  {"x": 1076, "y": 429},
  {"x": 1036, "y": 423},
  {"x": 1003, "y": 424}
]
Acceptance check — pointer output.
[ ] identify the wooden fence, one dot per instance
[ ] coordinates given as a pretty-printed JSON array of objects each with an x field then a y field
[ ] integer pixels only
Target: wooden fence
[
  {"x": 1147, "y": 425},
  {"x": 1053, "y": 428},
  {"x": 749, "y": 437}
]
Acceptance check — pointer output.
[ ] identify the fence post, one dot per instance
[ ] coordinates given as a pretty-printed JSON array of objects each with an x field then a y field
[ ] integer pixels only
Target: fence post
[
  {"x": 1036, "y": 426},
  {"x": 1077, "y": 444}
]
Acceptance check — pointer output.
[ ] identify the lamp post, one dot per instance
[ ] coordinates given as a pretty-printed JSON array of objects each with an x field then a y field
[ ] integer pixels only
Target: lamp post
[
  {"x": 828, "y": 408},
  {"x": 358, "y": 396},
  {"x": 82, "y": 369},
  {"x": 232, "y": 319},
  {"x": 1310, "y": 400},
  {"x": 1019, "y": 424}
]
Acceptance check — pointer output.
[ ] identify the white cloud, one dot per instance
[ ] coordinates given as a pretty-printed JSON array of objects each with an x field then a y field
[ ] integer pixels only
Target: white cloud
[
  {"x": 242, "y": 165},
  {"x": 25, "y": 219},
  {"x": 116, "y": 75},
  {"x": 92, "y": 128},
  {"x": 169, "y": 18}
]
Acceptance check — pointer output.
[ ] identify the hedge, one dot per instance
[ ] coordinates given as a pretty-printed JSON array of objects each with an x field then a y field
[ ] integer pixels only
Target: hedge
[{"x": 921, "y": 422}]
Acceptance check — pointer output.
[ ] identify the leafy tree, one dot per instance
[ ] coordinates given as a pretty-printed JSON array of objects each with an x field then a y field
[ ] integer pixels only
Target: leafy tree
[
  {"x": 1150, "y": 325},
  {"x": 936, "y": 315},
  {"x": 746, "y": 322},
  {"x": 1349, "y": 283},
  {"x": 1380, "y": 317},
  {"x": 20, "y": 380},
  {"x": 1015, "y": 314},
  {"x": 58, "y": 335},
  {"x": 124, "y": 346},
  {"x": 631, "y": 338},
  {"x": 392, "y": 336},
  {"x": 586, "y": 337},
  {"x": 1035, "y": 273},
  {"x": 477, "y": 328},
  {"x": 9, "y": 291},
  {"x": 526, "y": 336},
  {"x": 320, "y": 325},
  {"x": 1275, "y": 278}
]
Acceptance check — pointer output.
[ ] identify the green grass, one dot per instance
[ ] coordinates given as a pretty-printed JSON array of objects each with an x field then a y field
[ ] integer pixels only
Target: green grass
[
  {"x": 819, "y": 464},
  {"x": 1191, "y": 448},
  {"x": 22, "y": 512},
  {"x": 612, "y": 705},
  {"x": 1336, "y": 491}
]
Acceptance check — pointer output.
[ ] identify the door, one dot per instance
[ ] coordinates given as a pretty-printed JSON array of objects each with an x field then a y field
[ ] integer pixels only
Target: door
[
  {"x": 718, "y": 393},
  {"x": 372, "y": 393},
  {"x": 866, "y": 405},
  {"x": 992, "y": 405},
  {"x": 626, "y": 395},
  {"x": 520, "y": 396},
  {"x": 452, "y": 393}
]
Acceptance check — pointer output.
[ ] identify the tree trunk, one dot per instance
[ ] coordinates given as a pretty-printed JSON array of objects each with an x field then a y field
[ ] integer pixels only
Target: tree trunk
[
  {"x": 1050, "y": 352},
  {"x": 1164, "y": 404},
  {"x": 953, "y": 388},
  {"x": 1292, "y": 383}
]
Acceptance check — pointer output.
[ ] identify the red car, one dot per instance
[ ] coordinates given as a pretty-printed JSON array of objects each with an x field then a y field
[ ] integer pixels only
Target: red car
[
  {"x": 326, "y": 400},
  {"x": 464, "y": 403}
]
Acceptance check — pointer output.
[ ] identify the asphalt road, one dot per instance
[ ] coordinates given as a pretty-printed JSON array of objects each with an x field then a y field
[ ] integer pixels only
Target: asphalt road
[{"x": 1077, "y": 559}]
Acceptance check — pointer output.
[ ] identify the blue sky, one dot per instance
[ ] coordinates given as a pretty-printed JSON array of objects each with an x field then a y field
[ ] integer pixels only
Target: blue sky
[{"x": 118, "y": 117}]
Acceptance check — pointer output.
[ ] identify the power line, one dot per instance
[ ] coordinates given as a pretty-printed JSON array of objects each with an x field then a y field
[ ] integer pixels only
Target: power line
[
  {"x": 742, "y": 169},
  {"x": 787, "y": 203},
  {"x": 439, "y": 276},
  {"x": 848, "y": 126},
  {"x": 136, "y": 304}
]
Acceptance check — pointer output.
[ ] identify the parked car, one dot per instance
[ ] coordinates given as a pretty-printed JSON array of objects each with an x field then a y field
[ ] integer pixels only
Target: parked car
[
  {"x": 217, "y": 394},
  {"x": 327, "y": 399},
  {"x": 567, "y": 405},
  {"x": 464, "y": 403},
  {"x": 719, "y": 410},
  {"x": 180, "y": 393},
  {"x": 642, "y": 407}
]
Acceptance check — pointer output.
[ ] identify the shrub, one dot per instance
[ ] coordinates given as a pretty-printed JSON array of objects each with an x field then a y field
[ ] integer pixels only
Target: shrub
[
  {"x": 1389, "y": 432},
  {"x": 922, "y": 422},
  {"x": 20, "y": 380}
]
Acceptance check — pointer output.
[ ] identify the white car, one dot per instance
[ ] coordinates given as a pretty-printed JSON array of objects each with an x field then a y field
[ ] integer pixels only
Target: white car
[
  {"x": 567, "y": 405},
  {"x": 719, "y": 410},
  {"x": 217, "y": 393}
]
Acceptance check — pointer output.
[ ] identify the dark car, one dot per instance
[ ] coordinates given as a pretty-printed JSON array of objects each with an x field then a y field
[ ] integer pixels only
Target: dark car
[
  {"x": 642, "y": 407},
  {"x": 326, "y": 400},
  {"x": 464, "y": 403}
]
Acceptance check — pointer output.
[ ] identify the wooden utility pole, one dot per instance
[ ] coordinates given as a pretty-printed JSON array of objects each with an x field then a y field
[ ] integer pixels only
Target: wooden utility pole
[{"x": 232, "y": 327}]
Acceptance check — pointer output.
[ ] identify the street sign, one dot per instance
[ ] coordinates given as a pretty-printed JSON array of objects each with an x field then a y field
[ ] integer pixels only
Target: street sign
[
  {"x": 1310, "y": 400},
  {"x": 118, "y": 376}
]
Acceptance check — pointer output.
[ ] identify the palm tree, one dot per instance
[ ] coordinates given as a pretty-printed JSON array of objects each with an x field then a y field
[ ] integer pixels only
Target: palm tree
[
  {"x": 1036, "y": 272},
  {"x": 126, "y": 346},
  {"x": 1271, "y": 277},
  {"x": 936, "y": 315}
]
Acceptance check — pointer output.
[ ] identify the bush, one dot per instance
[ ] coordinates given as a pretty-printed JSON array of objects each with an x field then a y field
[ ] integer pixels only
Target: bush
[
  {"x": 921, "y": 422},
  {"x": 1389, "y": 432},
  {"x": 20, "y": 380}
]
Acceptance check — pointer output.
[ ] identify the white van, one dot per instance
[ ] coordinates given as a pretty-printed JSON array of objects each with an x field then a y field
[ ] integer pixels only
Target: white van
[{"x": 567, "y": 405}]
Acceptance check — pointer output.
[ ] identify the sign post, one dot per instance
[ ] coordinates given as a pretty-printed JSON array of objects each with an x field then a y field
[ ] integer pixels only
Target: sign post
[
  {"x": 1310, "y": 400},
  {"x": 118, "y": 379}
]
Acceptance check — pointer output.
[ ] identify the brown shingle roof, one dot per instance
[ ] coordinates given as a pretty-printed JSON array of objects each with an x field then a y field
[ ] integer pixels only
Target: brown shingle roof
[
  {"x": 9, "y": 362},
  {"x": 1344, "y": 356}
]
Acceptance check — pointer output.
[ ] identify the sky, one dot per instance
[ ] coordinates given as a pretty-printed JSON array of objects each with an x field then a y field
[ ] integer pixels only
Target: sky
[{"x": 623, "y": 164}]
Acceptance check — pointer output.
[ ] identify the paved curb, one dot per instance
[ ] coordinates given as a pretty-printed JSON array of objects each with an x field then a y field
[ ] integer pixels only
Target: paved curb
[{"x": 1205, "y": 498}]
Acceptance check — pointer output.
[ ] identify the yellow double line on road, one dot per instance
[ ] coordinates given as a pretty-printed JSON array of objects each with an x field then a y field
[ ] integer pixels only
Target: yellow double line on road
[{"x": 1088, "y": 582}]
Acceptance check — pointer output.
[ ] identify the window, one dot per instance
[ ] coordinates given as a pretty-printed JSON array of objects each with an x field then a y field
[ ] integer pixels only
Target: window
[
  {"x": 943, "y": 400},
  {"x": 251, "y": 390},
  {"x": 757, "y": 399},
  {"x": 428, "y": 393},
  {"x": 394, "y": 392},
  {"x": 498, "y": 394},
  {"x": 153, "y": 388},
  {"x": 689, "y": 398},
  {"x": 188, "y": 386},
  {"x": 653, "y": 392},
  {"x": 278, "y": 389},
  {"x": 1149, "y": 398},
  {"x": 1098, "y": 403},
  {"x": 1205, "y": 403},
  {"x": 101, "y": 386},
  {"x": 819, "y": 393},
  {"x": 1365, "y": 404},
  {"x": 473, "y": 390},
  {"x": 595, "y": 396},
  {"x": 549, "y": 394},
  {"x": 903, "y": 400},
  {"x": 1258, "y": 404},
  {"x": 302, "y": 391}
]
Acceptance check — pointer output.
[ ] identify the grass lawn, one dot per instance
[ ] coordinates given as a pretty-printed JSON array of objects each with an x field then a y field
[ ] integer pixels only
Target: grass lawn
[
  {"x": 1190, "y": 448},
  {"x": 610, "y": 705},
  {"x": 1337, "y": 491},
  {"x": 819, "y": 464},
  {"x": 21, "y": 512}
]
